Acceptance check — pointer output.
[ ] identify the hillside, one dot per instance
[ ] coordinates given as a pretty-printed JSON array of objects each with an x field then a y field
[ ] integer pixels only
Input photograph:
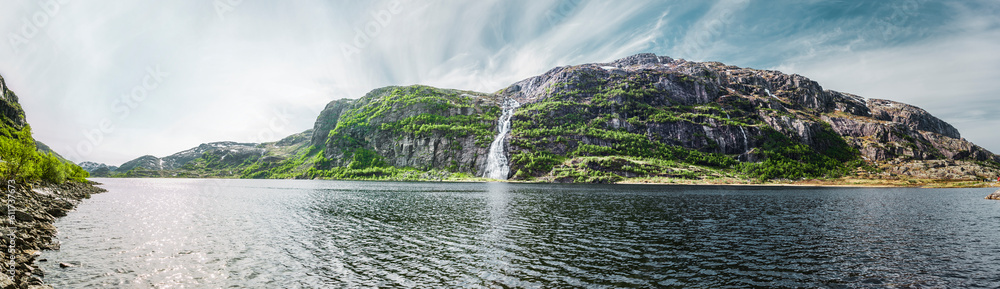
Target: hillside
[
  {"x": 39, "y": 185},
  {"x": 643, "y": 118},
  {"x": 25, "y": 159}
]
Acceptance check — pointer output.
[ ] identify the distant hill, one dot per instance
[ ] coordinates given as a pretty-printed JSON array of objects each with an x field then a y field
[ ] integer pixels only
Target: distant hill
[
  {"x": 217, "y": 159},
  {"x": 97, "y": 169}
]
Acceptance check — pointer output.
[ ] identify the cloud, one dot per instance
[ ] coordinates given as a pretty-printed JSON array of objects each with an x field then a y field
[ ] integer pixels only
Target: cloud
[
  {"x": 951, "y": 75},
  {"x": 236, "y": 72},
  {"x": 706, "y": 35}
]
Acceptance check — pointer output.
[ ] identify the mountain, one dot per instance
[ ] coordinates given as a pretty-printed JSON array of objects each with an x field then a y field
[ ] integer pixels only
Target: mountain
[
  {"x": 217, "y": 159},
  {"x": 777, "y": 125},
  {"x": 45, "y": 149},
  {"x": 639, "y": 118},
  {"x": 91, "y": 166},
  {"x": 97, "y": 169}
]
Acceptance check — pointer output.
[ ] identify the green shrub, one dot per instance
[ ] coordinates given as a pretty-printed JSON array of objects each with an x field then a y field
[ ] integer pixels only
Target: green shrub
[
  {"x": 18, "y": 153},
  {"x": 21, "y": 160}
]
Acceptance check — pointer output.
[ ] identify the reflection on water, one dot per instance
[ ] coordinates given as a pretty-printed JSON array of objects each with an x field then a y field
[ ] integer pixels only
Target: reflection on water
[{"x": 288, "y": 234}]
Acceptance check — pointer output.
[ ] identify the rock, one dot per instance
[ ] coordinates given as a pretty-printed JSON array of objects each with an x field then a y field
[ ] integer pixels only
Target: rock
[
  {"x": 53, "y": 245},
  {"x": 23, "y": 216},
  {"x": 994, "y": 196},
  {"x": 66, "y": 265},
  {"x": 6, "y": 282}
]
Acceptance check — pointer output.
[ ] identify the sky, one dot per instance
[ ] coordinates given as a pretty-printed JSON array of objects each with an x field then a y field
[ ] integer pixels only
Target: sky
[{"x": 109, "y": 81}]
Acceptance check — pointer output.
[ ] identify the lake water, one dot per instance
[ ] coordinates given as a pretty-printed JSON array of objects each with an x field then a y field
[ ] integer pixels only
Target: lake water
[{"x": 322, "y": 234}]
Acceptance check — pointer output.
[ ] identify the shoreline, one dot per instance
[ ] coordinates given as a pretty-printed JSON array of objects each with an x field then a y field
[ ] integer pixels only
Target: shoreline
[
  {"x": 37, "y": 206},
  {"x": 832, "y": 183},
  {"x": 837, "y": 183}
]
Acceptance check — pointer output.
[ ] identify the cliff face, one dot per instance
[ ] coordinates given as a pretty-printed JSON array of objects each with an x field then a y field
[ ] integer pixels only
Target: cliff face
[
  {"x": 10, "y": 109},
  {"x": 327, "y": 120},
  {"x": 416, "y": 126}
]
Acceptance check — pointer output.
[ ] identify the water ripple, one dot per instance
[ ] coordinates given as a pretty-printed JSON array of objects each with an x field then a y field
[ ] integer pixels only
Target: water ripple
[{"x": 162, "y": 233}]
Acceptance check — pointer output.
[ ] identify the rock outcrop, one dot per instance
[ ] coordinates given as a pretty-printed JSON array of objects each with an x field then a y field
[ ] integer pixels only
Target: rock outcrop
[
  {"x": 994, "y": 196},
  {"x": 10, "y": 110}
]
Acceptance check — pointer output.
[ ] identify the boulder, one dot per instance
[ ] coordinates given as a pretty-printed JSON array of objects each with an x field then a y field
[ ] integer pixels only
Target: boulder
[{"x": 994, "y": 196}]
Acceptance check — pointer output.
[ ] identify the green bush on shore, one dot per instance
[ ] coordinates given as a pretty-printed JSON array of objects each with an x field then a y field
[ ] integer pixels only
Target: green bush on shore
[{"x": 20, "y": 160}]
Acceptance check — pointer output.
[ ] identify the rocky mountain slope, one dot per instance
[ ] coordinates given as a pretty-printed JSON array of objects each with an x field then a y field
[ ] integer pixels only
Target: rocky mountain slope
[{"x": 641, "y": 117}]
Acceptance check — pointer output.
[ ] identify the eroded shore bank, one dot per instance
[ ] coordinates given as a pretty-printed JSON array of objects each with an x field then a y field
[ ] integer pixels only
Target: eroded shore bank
[{"x": 35, "y": 209}]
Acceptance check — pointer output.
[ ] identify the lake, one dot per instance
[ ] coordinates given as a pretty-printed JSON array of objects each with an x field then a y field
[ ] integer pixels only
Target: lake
[{"x": 321, "y": 234}]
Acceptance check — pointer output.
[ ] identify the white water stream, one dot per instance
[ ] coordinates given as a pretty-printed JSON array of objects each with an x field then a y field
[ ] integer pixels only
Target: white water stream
[
  {"x": 769, "y": 93},
  {"x": 497, "y": 166},
  {"x": 746, "y": 144}
]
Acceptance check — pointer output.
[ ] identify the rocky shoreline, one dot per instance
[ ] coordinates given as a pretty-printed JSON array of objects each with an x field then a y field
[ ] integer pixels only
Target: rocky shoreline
[
  {"x": 36, "y": 207},
  {"x": 994, "y": 196}
]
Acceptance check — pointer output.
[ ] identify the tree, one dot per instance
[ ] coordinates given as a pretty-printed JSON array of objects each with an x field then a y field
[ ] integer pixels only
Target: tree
[
  {"x": 18, "y": 153},
  {"x": 52, "y": 169}
]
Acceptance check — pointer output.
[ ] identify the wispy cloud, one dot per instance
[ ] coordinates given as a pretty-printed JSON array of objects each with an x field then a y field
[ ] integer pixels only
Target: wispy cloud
[
  {"x": 951, "y": 74},
  {"x": 233, "y": 75}
]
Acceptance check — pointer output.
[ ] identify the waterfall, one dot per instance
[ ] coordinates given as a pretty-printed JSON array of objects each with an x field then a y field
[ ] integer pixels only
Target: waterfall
[
  {"x": 497, "y": 166},
  {"x": 769, "y": 93},
  {"x": 746, "y": 144}
]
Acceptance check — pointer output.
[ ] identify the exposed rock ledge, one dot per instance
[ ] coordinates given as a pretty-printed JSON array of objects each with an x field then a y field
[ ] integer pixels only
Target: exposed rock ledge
[
  {"x": 994, "y": 196},
  {"x": 35, "y": 209}
]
